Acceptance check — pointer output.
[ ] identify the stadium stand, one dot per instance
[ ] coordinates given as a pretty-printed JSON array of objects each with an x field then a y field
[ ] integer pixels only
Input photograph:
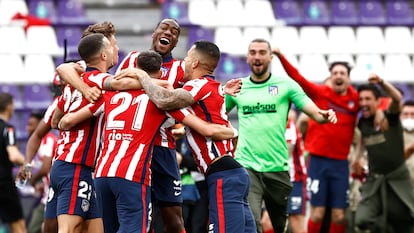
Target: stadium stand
[
  {"x": 311, "y": 27},
  {"x": 372, "y": 35}
]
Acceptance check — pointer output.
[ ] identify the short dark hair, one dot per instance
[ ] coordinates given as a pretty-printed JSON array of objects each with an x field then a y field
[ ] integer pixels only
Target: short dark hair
[
  {"x": 209, "y": 50},
  {"x": 261, "y": 40},
  {"x": 342, "y": 63},
  {"x": 37, "y": 114},
  {"x": 171, "y": 19},
  {"x": 5, "y": 100},
  {"x": 408, "y": 103},
  {"x": 370, "y": 87},
  {"x": 90, "y": 45},
  {"x": 149, "y": 61}
]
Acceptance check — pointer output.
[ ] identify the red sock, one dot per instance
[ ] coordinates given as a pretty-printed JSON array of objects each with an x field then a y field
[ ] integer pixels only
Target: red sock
[
  {"x": 314, "y": 227},
  {"x": 269, "y": 231},
  {"x": 183, "y": 231},
  {"x": 337, "y": 228}
]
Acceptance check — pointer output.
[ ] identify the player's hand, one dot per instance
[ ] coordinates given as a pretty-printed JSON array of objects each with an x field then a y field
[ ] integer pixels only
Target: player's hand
[
  {"x": 276, "y": 51},
  {"x": 232, "y": 87},
  {"x": 329, "y": 115},
  {"x": 357, "y": 166},
  {"x": 92, "y": 94},
  {"x": 375, "y": 79}
]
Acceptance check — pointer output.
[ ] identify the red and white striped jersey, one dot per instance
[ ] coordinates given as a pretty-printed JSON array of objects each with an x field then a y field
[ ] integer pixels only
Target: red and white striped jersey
[
  {"x": 132, "y": 121},
  {"x": 47, "y": 118},
  {"x": 209, "y": 106},
  {"x": 81, "y": 144},
  {"x": 173, "y": 72},
  {"x": 297, "y": 166}
]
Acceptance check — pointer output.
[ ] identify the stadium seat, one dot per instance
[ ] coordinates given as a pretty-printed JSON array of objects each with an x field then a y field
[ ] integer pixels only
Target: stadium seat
[
  {"x": 229, "y": 40},
  {"x": 19, "y": 125},
  {"x": 176, "y": 10},
  {"x": 250, "y": 33},
  {"x": 399, "y": 68},
  {"x": 44, "y": 9},
  {"x": 289, "y": 11},
  {"x": 277, "y": 68},
  {"x": 366, "y": 64},
  {"x": 8, "y": 8},
  {"x": 399, "y": 12},
  {"x": 372, "y": 12},
  {"x": 259, "y": 13},
  {"x": 72, "y": 34},
  {"x": 37, "y": 96},
  {"x": 15, "y": 42},
  {"x": 231, "y": 67},
  {"x": 313, "y": 39},
  {"x": 14, "y": 90},
  {"x": 202, "y": 12},
  {"x": 344, "y": 12},
  {"x": 341, "y": 57},
  {"x": 237, "y": 16},
  {"x": 341, "y": 39},
  {"x": 287, "y": 39},
  {"x": 39, "y": 68},
  {"x": 315, "y": 13},
  {"x": 199, "y": 33},
  {"x": 42, "y": 40},
  {"x": 398, "y": 39},
  {"x": 370, "y": 39},
  {"x": 313, "y": 67},
  {"x": 71, "y": 12},
  {"x": 15, "y": 72}
]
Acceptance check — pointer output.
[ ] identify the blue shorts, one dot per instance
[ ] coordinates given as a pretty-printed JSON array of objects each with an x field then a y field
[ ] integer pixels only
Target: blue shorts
[
  {"x": 51, "y": 204},
  {"x": 297, "y": 199},
  {"x": 229, "y": 208},
  {"x": 74, "y": 190},
  {"x": 328, "y": 182},
  {"x": 165, "y": 177},
  {"x": 125, "y": 204}
]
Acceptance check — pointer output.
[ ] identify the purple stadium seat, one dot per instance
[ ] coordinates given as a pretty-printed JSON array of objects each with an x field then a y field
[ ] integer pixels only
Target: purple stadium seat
[
  {"x": 372, "y": 12},
  {"x": 288, "y": 11},
  {"x": 343, "y": 12},
  {"x": 15, "y": 91},
  {"x": 176, "y": 10},
  {"x": 315, "y": 13},
  {"x": 72, "y": 34},
  {"x": 399, "y": 13},
  {"x": 19, "y": 121},
  {"x": 199, "y": 33},
  {"x": 71, "y": 12},
  {"x": 43, "y": 9},
  {"x": 231, "y": 67},
  {"x": 37, "y": 96}
]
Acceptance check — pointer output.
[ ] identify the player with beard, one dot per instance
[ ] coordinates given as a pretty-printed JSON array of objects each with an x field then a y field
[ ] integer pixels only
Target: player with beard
[
  {"x": 328, "y": 144},
  {"x": 387, "y": 197},
  {"x": 263, "y": 104}
]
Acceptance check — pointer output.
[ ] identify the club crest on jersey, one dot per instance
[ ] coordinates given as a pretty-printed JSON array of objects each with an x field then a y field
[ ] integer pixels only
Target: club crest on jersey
[
  {"x": 164, "y": 71},
  {"x": 85, "y": 205},
  {"x": 351, "y": 104},
  {"x": 273, "y": 90}
]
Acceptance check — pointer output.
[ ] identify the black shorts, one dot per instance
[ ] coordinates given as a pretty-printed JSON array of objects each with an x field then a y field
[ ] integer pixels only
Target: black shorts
[{"x": 10, "y": 206}]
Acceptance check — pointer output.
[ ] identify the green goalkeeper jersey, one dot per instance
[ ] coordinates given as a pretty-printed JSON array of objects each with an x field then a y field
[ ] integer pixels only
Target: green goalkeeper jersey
[{"x": 262, "y": 110}]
